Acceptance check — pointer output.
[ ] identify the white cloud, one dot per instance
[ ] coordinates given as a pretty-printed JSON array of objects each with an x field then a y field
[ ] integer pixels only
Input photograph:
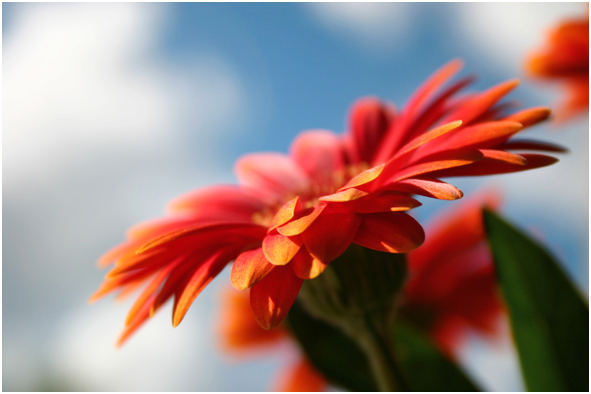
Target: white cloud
[
  {"x": 492, "y": 363},
  {"x": 371, "y": 25},
  {"x": 156, "y": 359},
  {"x": 506, "y": 32},
  {"x": 82, "y": 79},
  {"x": 98, "y": 132}
]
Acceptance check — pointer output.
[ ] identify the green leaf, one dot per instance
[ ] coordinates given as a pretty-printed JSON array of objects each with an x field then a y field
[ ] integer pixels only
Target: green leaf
[
  {"x": 549, "y": 318},
  {"x": 424, "y": 367},
  {"x": 327, "y": 321},
  {"x": 331, "y": 352}
]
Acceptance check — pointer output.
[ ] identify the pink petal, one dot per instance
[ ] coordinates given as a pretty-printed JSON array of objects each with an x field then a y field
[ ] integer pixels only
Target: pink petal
[
  {"x": 272, "y": 174},
  {"x": 319, "y": 154},
  {"x": 224, "y": 198}
]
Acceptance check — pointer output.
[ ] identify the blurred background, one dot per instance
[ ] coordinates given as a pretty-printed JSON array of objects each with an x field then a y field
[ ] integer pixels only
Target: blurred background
[{"x": 111, "y": 110}]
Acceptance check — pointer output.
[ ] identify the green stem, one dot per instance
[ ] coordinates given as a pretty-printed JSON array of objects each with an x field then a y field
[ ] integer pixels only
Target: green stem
[
  {"x": 358, "y": 293},
  {"x": 374, "y": 339}
]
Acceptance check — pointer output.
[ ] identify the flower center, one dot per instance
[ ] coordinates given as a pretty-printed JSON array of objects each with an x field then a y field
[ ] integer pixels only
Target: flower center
[{"x": 309, "y": 197}]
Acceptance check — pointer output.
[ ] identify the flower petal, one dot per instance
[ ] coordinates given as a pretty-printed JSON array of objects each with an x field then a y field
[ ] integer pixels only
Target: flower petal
[
  {"x": 431, "y": 85},
  {"x": 200, "y": 278},
  {"x": 385, "y": 201},
  {"x": 137, "y": 322},
  {"x": 437, "y": 108},
  {"x": 428, "y": 136},
  {"x": 279, "y": 249},
  {"x": 285, "y": 213},
  {"x": 239, "y": 332},
  {"x": 507, "y": 157},
  {"x": 364, "y": 177},
  {"x": 368, "y": 122},
  {"x": 454, "y": 230},
  {"x": 393, "y": 232},
  {"x": 116, "y": 252},
  {"x": 449, "y": 159},
  {"x": 475, "y": 106},
  {"x": 223, "y": 198},
  {"x": 248, "y": 231},
  {"x": 481, "y": 135},
  {"x": 492, "y": 167},
  {"x": 272, "y": 174},
  {"x": 344, "y": 195},
  {"x": 530, "y": 116},
  {"x": 273, "y": 296},
  {"x": 300, "y": 224},
  {"x": 301, "y": 377},
  {"x": 248, "y": 268},
  {"x": 319, "y": 154},
  {"x": 305, "y": 266},
  {"x": 330, "y": 235},
  {"x": 400, "y": 131},
  {"x": 148, "y": 293},
  {"x": 430, "y": 187}
]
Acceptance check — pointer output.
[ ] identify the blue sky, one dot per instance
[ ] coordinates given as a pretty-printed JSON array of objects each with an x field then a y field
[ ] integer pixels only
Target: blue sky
[{"x": 111, "y": 110}]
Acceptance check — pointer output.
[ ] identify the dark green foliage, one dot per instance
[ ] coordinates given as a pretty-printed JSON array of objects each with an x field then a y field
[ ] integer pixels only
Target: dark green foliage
[{"x": 549, "y": 317}]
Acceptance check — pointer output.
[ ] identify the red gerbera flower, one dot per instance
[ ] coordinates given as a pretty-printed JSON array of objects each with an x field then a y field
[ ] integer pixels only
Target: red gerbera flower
[
  {"x": 565, "y": 57},
  {"x": 451, "y": 290},
  {"x": 452, "y": 287},
  {"x": 293, "y": 214}
]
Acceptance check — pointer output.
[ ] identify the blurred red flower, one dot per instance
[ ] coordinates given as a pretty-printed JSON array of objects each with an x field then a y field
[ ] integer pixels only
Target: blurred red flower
[
  {"x": 451, "y": 291},
  {"x": 452, "y": 287},
  {"x": 565, "y": 57},
  {"x": 240, "y": 334},
  {"x": 293, "y": 214}
]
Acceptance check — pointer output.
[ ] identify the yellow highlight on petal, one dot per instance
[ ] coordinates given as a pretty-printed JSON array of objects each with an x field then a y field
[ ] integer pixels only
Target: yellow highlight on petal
[
  {"x": 365, "y": 176},
  {"x": 344, "y": 196}
]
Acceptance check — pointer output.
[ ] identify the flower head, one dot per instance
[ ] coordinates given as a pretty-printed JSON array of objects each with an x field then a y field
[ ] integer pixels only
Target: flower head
[
  {"x": 291, "y": 215},
  {"x": 451, "y": 290},
  {"x": 565, "y": 58}
]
